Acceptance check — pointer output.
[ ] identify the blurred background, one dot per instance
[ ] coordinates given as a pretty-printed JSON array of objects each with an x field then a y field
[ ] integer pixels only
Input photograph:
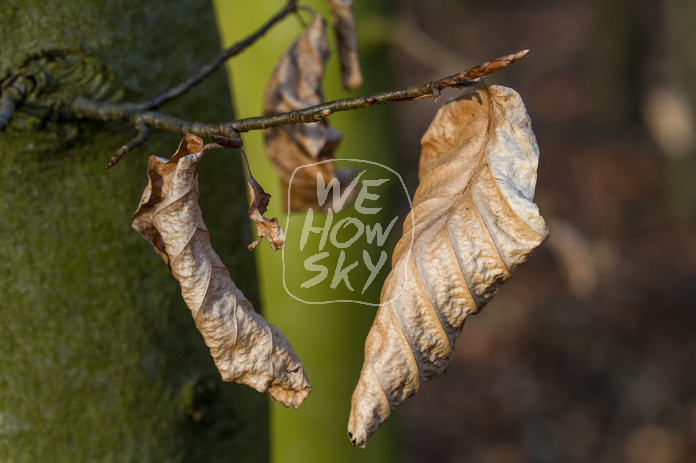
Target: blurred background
[{"x": 587, "y": 354}]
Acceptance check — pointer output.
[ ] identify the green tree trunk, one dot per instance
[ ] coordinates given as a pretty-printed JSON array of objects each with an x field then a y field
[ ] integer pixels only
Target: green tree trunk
[{"x": 99, "y": 357}]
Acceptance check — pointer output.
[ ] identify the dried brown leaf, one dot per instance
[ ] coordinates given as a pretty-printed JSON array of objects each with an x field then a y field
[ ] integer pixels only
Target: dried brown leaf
[
  {"x": 296, "y": 84},
  {"x": 347, "y": 40},
  {"x": 265, "y": 228},
  {"x": 473, "y": 222},
  {"x": 245, "y": 347}
]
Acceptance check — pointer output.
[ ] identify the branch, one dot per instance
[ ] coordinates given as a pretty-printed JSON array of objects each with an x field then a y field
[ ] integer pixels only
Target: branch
[
  {"x": 141, "y": 115},
  {"x": 208, "y": 69},
  {"x": 13, "y": 95},
  {"x": 226, "y": 133},
  {"x": 431, "y": 89},
  {"x": 86, "y": 108},
  {"x": 143, "y": 133}
]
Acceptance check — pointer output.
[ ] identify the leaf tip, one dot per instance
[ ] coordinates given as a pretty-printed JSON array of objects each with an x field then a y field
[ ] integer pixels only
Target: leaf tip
[
  {"x": 356, "y": 441},
  {"x": 291, "y": 396},
  {"x": 253, "y": 245}
]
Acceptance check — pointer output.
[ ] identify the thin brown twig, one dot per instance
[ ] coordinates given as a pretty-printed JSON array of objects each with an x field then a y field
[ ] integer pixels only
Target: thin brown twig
[
  {"x": 226, "y": 133},
  {"x": 84, "y": 108},
  {"x": 202, "y": 129},
  {"x": 141, "y": 114},
  {"x": 223, "y": 56},
  {"x": 143, "y": 133},
  {"x": 431, "y": 89}
]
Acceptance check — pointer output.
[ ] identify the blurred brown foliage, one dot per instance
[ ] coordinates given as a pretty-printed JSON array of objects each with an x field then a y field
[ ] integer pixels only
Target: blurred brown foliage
[{"x": 588, "y": 353}]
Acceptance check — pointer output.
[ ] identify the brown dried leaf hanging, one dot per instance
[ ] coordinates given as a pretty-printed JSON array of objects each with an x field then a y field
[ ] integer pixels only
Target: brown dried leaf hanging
[
  {"x": 296, "y": 84},
  {"x": 245, "y": 347},
  {"x": 346, "y": 37},
  {"x": 265, "y": 228},
  {"x": 473, "y": 222}
]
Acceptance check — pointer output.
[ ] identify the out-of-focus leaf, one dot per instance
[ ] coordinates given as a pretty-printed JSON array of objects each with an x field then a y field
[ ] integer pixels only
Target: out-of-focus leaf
[
  {"x": 670, "y": 119},
  {"x": 245, "y": 347},
  {"x": 296, "y": 84},
  {"x": 573, "y": 252},
  {"x": 473, "y": 222},
  {"x": 346, "y": 37}
]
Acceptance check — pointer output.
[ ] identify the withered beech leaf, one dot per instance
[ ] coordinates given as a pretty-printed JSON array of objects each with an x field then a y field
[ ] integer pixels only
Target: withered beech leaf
[
  {"x": 296, "y": 84},
  {"x": 347, "y": 40},
  {"x": 245, "y": 347},
  {"x": 265, "y": 228},
  {"x": 473, "y": 222}
]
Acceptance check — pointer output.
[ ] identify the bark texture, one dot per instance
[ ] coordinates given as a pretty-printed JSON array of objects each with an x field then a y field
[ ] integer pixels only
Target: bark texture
[{"x": 99, "y": 358}]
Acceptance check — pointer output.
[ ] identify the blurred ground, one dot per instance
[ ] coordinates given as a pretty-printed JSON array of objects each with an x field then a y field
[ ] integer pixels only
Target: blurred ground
[{"x": 587, "y": 354}]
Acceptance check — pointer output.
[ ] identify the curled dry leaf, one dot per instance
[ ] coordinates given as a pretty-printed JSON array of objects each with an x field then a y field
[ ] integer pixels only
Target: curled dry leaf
[
  {"x": 473, "y": 222},
  {"x": 347, "y": 39},
  {"x": 245, "y": 347},
  {"x": 265, "y": 228},
  {"x": 296, "y": 84}
]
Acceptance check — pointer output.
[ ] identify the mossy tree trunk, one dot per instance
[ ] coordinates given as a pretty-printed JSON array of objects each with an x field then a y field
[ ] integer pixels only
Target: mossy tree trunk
[{"x": 99, "y": 358}]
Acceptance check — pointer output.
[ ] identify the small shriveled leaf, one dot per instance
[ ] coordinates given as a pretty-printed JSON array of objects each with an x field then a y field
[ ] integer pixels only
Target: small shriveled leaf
[
  {"x": 265, "y": 228},
  {"x": 245, "y": 347},
  {"x": 473, "y": 222},
  {"x": 347, "y": 40},
  {"x": 296, "y": 84}
]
